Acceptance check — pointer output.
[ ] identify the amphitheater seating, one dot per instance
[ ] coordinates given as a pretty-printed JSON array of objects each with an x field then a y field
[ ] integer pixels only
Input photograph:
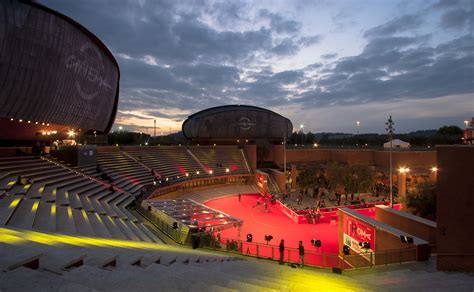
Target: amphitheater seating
[
  {"x": 85, "y": 264},
  {"x": 172, "y": 163},
  {"x": 56, "y": 262},
  {"x": 125, "y": 172},
  {"x": 42, "y": 195},
  {"x": 220, "y": 158},
  {"x": 179, "y": 163}
]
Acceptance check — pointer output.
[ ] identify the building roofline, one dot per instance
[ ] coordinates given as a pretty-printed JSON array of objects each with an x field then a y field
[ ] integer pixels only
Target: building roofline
[{"x": 224, "y": 108}]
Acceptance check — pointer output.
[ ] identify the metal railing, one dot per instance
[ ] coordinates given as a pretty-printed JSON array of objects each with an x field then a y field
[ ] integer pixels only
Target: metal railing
[
  {"x": 175, "y": 234},
  {"x": 272, "y": 252}
]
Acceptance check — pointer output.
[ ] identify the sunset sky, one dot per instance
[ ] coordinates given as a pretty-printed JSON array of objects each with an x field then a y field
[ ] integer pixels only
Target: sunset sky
[{"x": 324, "y": 64}]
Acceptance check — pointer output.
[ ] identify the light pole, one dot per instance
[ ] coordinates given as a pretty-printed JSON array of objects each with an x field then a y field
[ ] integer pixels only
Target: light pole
[
  {"x": 358, "y": 126},
  {"x": 302, "y": 135},
  {"x": 390, "y": 129},
  {"x": 466, "y": 123}
]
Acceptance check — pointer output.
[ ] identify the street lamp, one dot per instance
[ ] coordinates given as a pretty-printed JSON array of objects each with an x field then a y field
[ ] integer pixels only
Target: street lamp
[
  {"x": 120, "y": 128},
  {"x": 358, "y": 126},
  {"x": 302, "y": 136},
  {"x": 466, "y": 123},
  {"x": 390, "y": 129}
]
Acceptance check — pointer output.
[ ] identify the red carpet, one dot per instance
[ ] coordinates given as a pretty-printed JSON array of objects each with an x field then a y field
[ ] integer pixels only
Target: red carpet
[
  {"x": 274, "y": 222},
  {"x": 259, "y": 223}
]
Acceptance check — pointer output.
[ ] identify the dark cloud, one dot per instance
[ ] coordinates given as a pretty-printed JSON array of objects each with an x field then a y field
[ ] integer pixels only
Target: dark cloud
[
  {"x": 207, "y": 76},
  {"x": 193, "y": 65},
  {"x": 329, "y": 56},
  {"x": 310, "y": 40},
  {"x": 399, "y": 24},
  {"x": 228, "y": 12},
  {"x": 383, "y": 44},
  {"x": 314, "y": 66},
  {"x": 287, "y": 77},
  {"x": 285, "y": 47},
  {"x": 447, "y": 3},
  {"x": 279, "y": 24},
  {"x": 457, "y": 19},
  {"x": 201, "y": 42},
  {"x": 398, "y": 73}
]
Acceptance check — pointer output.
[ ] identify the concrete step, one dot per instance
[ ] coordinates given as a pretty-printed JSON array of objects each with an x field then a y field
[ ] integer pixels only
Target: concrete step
[
  {"x": 46, "y": 217},
  {"x": 25, "y": 214},
  {"x": 65, "y": 220},
  {"x": 38, "y": 281},
  {"x": 8, "y": 206},
  {"x": 121, "y": 224},
  {"x": 113, "y": 229},
  {"x": 99, "y": 227},
  {"x": 81, "y": 221}
]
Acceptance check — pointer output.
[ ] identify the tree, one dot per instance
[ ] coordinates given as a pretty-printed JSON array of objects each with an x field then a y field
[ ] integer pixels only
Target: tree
[
  {"x": 309, "y": 138},
  {"x": 307, "y": 177},
  {"x": 334, "y": 175},
  {"x": 422, "y": 201},
  {"x": 450, "y": 130},
  {"x": 358, "y": 178}
]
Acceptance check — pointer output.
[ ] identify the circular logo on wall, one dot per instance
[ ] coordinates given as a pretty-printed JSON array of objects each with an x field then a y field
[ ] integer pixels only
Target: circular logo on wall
[
  {"x": 245, "y": 124},
  {"x": 89, "y": 69}
]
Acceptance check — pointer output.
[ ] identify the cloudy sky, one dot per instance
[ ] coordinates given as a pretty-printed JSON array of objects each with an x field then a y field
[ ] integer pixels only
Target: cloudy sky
[{"x": 325, "y": 64}]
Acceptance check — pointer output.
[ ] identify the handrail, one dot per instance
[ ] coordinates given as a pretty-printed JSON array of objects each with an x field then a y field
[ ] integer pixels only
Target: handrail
[{"x": 270, "y": 251}]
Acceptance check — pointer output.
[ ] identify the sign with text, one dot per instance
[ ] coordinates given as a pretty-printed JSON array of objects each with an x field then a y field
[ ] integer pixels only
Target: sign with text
[{"x": 356, "y": 232}]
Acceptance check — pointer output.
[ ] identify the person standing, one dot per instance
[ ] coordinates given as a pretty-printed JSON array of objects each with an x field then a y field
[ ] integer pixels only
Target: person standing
[
  {"x": 301, "y": 252},
  {"x": 239, "y": 197},
  {"x": 282, "y": 251},
  {"x": 318, "y": 215}
]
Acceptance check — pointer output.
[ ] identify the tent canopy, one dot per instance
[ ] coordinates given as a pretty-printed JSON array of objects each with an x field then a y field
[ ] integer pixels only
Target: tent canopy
[{"x": 397, "y": 143}]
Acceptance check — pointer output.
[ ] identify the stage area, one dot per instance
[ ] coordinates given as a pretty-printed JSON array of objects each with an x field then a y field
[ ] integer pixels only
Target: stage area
[{"x": 259, "y": 223}]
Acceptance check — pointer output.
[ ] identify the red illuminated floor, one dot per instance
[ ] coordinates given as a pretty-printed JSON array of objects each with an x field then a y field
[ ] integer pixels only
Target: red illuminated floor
[{"x": 259, "y": 223}]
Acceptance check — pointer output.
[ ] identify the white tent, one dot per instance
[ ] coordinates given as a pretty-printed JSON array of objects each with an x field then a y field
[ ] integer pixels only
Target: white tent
[{"x": 397, "y": 143}]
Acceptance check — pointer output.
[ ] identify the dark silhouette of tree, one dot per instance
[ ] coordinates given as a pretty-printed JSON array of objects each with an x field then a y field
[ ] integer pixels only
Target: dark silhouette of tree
[
  {"x": 334, "y": 174},
  {"x": 450, "y": 130},
  {"x": 358, "y": 178},
  {"x": 422, "y": 201},
  {"x": 308, "y": 177}
]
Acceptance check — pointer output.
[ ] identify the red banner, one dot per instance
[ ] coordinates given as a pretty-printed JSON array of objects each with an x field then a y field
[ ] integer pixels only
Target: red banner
[{"x": 356, "y": 232}]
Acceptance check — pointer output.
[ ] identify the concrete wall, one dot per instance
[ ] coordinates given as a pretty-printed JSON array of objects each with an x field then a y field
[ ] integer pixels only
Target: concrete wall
[
  {"x": 251, "y": 154},
  {"x": 455, "y": 208},
  {"x": 414, "y": 159},
  {"x": 411, "y": 224},
  {"x": 279, "y": 178},
  {"x": 307, "y": 155}
]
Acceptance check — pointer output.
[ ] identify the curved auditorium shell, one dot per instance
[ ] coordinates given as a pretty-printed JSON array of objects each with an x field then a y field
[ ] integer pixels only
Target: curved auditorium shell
[
  {"x": 226, "y": 123},
  {"x": 55, "y": 75}
]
